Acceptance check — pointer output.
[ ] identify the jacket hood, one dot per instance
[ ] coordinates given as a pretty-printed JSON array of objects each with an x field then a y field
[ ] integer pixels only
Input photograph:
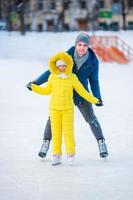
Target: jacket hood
[{"x": 61, "y": 56}]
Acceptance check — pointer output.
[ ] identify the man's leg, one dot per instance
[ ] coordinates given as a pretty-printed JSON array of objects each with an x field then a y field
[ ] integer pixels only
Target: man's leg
[
  {"x": 88, "y": 114},
  {"x": 47, "y": 131},
  {"x": 46, "y": 140}
]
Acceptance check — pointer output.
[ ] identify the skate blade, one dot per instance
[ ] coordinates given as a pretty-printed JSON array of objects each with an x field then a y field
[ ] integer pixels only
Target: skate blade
[
  {"x": 104, "y": 158},
  {"x": 71, "y": 163},
  {"x": 42, "y": 155},
  {"x": 56, "y": 164},
  {"x": 42, "y": 159}
]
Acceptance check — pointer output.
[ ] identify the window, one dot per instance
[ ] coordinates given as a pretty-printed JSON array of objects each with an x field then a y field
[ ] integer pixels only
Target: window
[
  {"x": 130, "y": 3},
  {"x": 40, "y": 27},
  {"x": 114, "y": 26},
  {"x": 66, "y": 4},
  {"x": 103, "y": 26},
  {"x": 130, "y": 25},
  {"x": 0, "y": 13},
  {"x": 101, "y": 4},
  {"x": 83, "y": 4},
  {"x": 116, "y": 1},
  {"x": 40, "y": 4},
  {"x": 52, "y": 6}
]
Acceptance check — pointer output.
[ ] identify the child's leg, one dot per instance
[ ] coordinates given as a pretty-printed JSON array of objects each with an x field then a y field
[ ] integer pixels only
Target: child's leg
[
  {"x": 56, "y": 127},
  {"x": 68, "y": 130}
]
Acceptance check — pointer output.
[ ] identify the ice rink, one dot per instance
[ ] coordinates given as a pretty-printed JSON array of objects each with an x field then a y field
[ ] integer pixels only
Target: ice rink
[{"x": 23, "y": 114}]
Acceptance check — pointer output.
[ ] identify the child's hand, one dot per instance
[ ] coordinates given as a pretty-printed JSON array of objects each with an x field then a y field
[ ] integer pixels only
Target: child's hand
[
  {"x": 99, "y": 103},
  {"x": 29, "y": 86}
]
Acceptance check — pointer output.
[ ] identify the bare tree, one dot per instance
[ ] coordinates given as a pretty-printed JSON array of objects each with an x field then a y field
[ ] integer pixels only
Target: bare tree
[
  {"x": 0, "y": 9},
  {"x": 21, "y": 6},
  {"x": 61, "y": 16},
  {"x": 8, "y": 9},
  {"x": 93, "y": 14},
  {"x": 125, "y": 9},
  {"x": 17, "y": 6}
]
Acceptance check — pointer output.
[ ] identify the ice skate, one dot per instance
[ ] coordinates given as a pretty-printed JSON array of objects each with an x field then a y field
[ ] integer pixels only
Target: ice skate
[
  {"x": 102, "y": 148},
  {"x": 44, "y": 149},
  {"x": 56, "y": 160},
  {"x": 70, "y": 159}
]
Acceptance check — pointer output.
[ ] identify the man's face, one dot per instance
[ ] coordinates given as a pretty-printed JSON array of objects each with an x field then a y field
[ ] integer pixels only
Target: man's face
[{"x": 81, "y": 48}]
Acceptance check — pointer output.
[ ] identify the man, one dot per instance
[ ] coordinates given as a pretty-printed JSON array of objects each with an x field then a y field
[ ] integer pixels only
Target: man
[{"x": 86, "y": 68}]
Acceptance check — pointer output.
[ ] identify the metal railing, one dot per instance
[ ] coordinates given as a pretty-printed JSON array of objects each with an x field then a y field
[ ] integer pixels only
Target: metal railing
[{"x": 102, "y": 44}]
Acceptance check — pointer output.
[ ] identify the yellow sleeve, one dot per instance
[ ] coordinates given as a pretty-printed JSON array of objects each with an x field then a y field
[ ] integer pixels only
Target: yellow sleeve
[
  {"x": 82, "y": 91},
  {"x": 45, "y": 90}
]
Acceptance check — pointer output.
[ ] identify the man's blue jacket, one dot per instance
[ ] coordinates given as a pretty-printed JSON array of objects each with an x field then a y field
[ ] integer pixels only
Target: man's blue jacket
[{"x": 88, "y": 73}]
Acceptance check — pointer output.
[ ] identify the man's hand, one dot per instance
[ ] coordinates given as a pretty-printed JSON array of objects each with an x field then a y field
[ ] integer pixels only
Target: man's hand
[
  {"x": 99, "y": 103},
  {"x": 29, "y": 86}
]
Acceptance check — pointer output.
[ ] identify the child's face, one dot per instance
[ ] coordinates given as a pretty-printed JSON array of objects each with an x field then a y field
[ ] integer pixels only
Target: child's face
[{"x": 62, "y": 68}]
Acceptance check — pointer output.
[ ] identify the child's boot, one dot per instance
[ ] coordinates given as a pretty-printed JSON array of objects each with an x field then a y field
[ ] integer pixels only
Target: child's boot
[
  {"x": 56, "y": 159},
  {"x": 70, "y": 158}
]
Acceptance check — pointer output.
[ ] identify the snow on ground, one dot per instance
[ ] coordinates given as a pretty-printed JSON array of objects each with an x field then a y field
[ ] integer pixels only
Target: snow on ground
[{"x": 24, "y": 114}]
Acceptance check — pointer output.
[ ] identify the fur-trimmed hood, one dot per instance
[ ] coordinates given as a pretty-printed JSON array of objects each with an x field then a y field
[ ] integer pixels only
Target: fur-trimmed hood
[{"x": 61, "y": 56}]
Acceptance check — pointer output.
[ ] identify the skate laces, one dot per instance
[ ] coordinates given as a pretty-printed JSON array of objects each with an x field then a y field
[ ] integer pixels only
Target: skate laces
[
  {"x": 102, "y": 146},
  {"x": 56, "y": 156},
  {"x": 45, "y": 145},
  {"x": 70, "y": 157}
]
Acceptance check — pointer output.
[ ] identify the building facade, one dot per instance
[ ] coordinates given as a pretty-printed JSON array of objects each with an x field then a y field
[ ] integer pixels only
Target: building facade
[
  {"x": 50, "y": 15},
  {"x": 114, "y": 13},
  {"x": 70, "y": 15}
]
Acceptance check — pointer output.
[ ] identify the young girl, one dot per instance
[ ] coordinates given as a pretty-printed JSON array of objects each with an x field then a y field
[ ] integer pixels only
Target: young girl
[{"x": 60, "y": 86}]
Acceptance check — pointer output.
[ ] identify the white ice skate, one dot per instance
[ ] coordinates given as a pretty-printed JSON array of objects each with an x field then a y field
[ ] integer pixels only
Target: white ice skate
[
  {"x": 70, "y": 159},
  {"x": 56, "y": 160}
]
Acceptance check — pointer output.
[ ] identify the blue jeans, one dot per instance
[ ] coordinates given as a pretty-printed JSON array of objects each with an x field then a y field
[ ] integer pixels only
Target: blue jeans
[{"x": 87, "y": 112}]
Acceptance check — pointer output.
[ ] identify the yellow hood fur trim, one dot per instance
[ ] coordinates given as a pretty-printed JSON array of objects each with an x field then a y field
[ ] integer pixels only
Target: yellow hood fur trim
[{"x": 61, "y": 56}]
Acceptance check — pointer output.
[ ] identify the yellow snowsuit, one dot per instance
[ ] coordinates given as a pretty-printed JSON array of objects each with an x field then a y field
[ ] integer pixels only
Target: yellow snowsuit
[{"x": 60, "y": 87}]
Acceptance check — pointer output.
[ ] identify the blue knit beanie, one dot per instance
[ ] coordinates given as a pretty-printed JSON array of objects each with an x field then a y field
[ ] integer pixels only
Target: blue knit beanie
[{"x": 83, "y": 37}]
